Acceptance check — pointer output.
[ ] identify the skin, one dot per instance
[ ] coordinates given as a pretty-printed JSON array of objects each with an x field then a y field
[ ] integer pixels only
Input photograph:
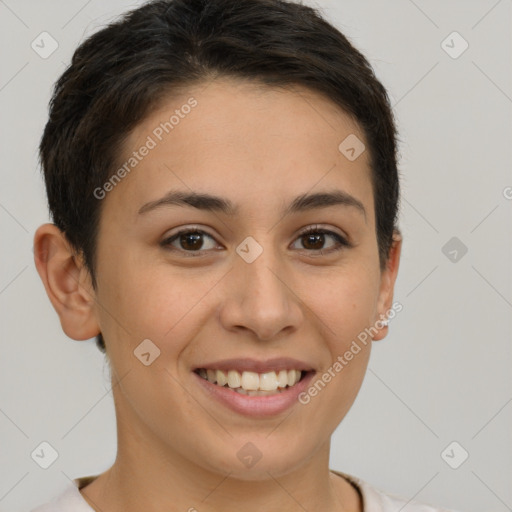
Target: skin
[{"x": 177, "y": 448}]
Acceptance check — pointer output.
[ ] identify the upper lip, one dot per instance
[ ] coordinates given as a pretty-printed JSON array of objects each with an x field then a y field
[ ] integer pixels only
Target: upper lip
[{"x": 253, "y": 365}]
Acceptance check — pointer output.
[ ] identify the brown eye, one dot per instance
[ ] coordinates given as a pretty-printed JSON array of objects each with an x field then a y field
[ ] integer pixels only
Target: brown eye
[
  {"x": 313, "y": 239},
  {"x": 188, "y": 240},
  {"x": 191, "y": 241}
]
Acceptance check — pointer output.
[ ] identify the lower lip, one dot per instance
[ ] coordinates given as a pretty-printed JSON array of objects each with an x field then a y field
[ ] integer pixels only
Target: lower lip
[{"x": 259, "y": 406}]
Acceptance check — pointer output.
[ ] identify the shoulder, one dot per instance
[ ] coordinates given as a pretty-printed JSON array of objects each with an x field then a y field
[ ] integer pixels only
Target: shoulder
[
  {"x": 69, "y": 500},
  {"x": 376, "y": 500}
]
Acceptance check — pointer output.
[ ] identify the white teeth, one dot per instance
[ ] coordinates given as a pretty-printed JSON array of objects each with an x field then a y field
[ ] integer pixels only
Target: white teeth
[
  {"x": 233, "y": 379},
  {"x": 291, "y": 377},
  {"x": 252, "y": 383},
  {"x": 268, "y": 381},
  {"x": 282, "y": 379},
  {"x": 221, "y": 378}
]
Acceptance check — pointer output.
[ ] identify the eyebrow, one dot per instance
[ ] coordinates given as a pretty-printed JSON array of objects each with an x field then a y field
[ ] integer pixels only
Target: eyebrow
[{"x": 208, "y": 202}]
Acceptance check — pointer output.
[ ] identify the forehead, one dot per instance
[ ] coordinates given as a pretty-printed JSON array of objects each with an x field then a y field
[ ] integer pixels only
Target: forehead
[{"x": 245, "y": 141}]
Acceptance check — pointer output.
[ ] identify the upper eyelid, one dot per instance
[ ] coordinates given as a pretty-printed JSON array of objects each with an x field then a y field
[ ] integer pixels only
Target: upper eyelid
[
  {"x": 302, "y": 232},
  {"x": 317, "y": 227},
  {"x": 310, "y": 227}
]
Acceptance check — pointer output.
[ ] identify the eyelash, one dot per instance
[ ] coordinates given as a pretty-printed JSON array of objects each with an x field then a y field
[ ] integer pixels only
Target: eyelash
[{"x": 342, "y": 242}]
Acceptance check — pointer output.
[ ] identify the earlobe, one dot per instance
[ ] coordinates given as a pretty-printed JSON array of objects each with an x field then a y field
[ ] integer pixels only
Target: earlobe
[
  {"x": 388, "y": 278},
  {"x": 67, "y": 282}
]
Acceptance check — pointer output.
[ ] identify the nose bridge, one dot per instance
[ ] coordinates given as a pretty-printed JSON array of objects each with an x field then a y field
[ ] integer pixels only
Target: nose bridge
[
  {"x": 259, "y": 265},
  {"x": 264, "y": 302}
]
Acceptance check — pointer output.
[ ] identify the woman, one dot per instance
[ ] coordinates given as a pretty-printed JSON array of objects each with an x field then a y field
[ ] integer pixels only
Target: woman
[{"x": 223, "y": 184}]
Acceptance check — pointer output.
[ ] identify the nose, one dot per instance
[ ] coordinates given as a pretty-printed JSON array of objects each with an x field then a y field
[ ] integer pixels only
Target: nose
[{"x": 259, "y": 297}]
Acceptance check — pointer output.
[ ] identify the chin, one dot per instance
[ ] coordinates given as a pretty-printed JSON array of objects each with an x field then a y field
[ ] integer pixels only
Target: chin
[{"x": 251, "y": 464}]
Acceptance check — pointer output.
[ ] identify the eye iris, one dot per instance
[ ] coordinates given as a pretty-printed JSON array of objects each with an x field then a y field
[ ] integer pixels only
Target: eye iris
[
  {"x": 197, "y": 240},
  {"x": 314, "y": 237}
]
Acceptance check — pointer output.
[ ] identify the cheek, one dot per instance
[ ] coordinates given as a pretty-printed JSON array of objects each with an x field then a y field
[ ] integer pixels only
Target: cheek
[
  {"x": 153, "y": 301},
  {"x": 348, "y": 309},
  {"x": 344, "y": 300}
]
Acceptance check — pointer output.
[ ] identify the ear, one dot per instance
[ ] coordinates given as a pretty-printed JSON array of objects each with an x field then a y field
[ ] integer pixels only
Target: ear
[
  {"x": 387, "y": 285},
  {"x": 67, "y": 282}
]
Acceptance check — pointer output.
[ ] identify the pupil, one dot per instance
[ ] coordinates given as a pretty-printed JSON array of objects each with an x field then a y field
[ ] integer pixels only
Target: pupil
[
  {"x": 315, "y": 237},
  {"x": 196, "y": 237}
]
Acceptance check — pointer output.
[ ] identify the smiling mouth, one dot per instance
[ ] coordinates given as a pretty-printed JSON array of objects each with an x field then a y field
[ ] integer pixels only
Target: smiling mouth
[{"x": 252, "y": 383}]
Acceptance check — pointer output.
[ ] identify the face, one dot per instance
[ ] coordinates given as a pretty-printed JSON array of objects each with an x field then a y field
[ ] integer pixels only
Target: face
[{"x": 243, "y": 282}]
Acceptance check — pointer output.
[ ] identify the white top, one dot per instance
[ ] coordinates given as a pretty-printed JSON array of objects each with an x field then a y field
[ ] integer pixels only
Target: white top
[{"x": 373, "y": 499}]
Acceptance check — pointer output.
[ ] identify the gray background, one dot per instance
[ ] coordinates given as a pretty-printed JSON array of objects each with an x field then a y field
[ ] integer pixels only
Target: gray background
[{"x": 443, "y": 372}]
